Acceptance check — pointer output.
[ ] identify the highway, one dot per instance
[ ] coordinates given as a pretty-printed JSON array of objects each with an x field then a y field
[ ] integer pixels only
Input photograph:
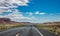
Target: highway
[{"x": 26, "y": 31}]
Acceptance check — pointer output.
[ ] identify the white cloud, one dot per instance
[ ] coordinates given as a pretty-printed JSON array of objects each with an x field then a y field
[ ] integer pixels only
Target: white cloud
[
  {"x": 37, "y": 12},
  {"x": 1, "y": 13},
  {"x": 15, "y": 16},
  {"x": 7, "y": 4},
  {"x": 17, "y": 2},
  {"x": 42, "y": 13},
  {"x": 29, "y": 13}
]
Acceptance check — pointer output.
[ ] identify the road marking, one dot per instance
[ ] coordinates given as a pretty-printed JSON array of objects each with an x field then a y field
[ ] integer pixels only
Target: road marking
[
  {"x": 17, "y": 34},
  {"x": 38, "y": 31}
]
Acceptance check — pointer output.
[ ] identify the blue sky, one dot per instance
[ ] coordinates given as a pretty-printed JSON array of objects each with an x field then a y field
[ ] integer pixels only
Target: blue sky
[{"x": 36, "y": 11}]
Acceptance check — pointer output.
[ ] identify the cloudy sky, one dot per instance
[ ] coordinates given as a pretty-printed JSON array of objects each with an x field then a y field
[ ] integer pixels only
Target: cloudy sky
[{"x": 36, "y": 11}]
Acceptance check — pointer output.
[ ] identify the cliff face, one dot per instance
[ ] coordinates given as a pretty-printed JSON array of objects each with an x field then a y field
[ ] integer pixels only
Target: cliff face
[{"x": 4, "y": 20}]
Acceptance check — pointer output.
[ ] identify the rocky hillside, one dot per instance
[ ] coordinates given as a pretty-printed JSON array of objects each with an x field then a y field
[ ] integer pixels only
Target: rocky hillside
[
  {"x": 8, "y": 21},
  {"x": 4, "y": 20}
]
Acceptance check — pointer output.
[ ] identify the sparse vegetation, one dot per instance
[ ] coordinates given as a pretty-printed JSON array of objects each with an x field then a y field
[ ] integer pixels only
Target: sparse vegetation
[
  {"x": 52, "y": 29},
  {"x": 6, "y": 23},
  {"x": 8, "y": 26}
]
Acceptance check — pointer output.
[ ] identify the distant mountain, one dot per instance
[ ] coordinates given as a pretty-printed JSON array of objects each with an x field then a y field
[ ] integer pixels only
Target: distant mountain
[
  {"x": 52, "y": 23},
  {"x": 8, "y": 21}
]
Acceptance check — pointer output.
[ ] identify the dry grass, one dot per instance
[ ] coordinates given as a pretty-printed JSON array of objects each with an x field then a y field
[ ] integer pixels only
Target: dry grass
[
  {"x": 8, "y": 26},
  {"x": 52, "y": 29}
]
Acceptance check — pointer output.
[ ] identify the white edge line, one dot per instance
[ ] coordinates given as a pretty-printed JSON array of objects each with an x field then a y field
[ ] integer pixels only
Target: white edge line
[
  {"x": 38, "y": 31},
  {"x": 17, "y": 34}
]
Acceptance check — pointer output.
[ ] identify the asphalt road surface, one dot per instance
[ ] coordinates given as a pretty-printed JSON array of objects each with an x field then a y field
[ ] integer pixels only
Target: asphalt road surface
[{"x": 26, "y": 31}]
